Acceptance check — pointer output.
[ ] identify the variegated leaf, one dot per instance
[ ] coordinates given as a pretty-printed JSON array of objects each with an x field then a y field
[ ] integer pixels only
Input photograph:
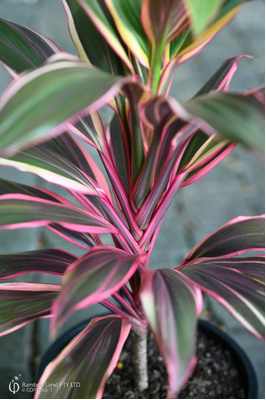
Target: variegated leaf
[
  {"x": 22, "y": 48},
  {"x": 171, "y": 303},
  {"x": 239, "y": 235},
  {"x": 22, "y": 211},
  {"x": 243, "y": 297},
  {"x": 47, "y": 261},
  {"x": 36, "y": 106},
  {"x": 93, "y": 355},
  {"x": 91, "y": 279},
  {"x": 20, "y": 303}
]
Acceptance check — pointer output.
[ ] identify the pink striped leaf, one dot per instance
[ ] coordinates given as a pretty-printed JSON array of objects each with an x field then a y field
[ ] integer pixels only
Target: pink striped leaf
[
  {"x": 37, "y": 105},
  {"x": 22, "y": 48},
  {"x": 22, "y": 211},
  {"x": 93, "y": 353},
  {"x": 81, "y": 239},
  {"x": 243, "y": 297},
  {"x": 126, "y": 16},
  {"x": 253, "y": 267},
  {"x": 91, "y": 279},
  {"x": 21, "y": 303},
  {"x": 54, "y": 162},
  {"x": 163, "y": 20},
  {"x": 78, "y": 238},
  {"x": 97, "y": 13},
  {"x": 89, "y": 42},
  {"x": 90, "y": 128},
  {"x": 239, "y": 235},
  {"x": 48, "y": 261},
  {"x": 171, "y": 304}
]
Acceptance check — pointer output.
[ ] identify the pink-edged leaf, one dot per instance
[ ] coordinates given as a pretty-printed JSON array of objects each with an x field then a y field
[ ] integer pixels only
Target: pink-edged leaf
[
  {"x": 78, "y": 238},
  {"x": 243, "y": 297},
  {"x": 93, "y": 278},
  {"x": 97, "y": 14},
  {"x": 126, "y": 16},
  {"x": 221, "y": 79},
  {"x": 22, "y": 48},
  {"x": 237, "y": 117},
  {"x": 88, "y": 359},
  {"x": 21, "y": 303},
  {"x": 48, "y": 261},
  {"x": 81, "y": 239},
  {"x": 163, "y": 20},
  {"x": 36, "y": 106},
  {"x": 253, "y": 267},
  {"x": 237, "y": 236},
  {"x": 64, "y": 162},
  {"x": 90, "y": 128},
  {"x": 22, "y": 211},
  {"x": 171, "y": 304},
  {"x": 89, "y": 42}
]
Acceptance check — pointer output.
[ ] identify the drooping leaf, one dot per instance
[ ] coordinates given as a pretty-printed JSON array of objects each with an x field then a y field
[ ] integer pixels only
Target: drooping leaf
[
  {"x": 171, "y": 304},
  {"x": 20, "y": 303},
  {"x": 22, "y": 211},
  {"x": 34, "y": 107},
  {"x": 127, "y": 19},
  {"x": 90, "y": 44},
  {"x": 48, "y": 261},
  {"x": 243, "y": 297},
  {"x": 253, "y": 267},
  {"x": 201, "y": 13},
  {"x": 103, "y": 26},
  {"x": 88, "y": 359},
  {"x": 91, "y": 279},
  {"x": 237, "y": 117},
  {"x": 239, "y": 235},
  {"x": 22, "y": 48},
  {"x": 221, "y": 79}
]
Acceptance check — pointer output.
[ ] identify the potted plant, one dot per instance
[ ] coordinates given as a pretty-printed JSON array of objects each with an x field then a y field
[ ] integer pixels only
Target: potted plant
[{"x": 151, "y": 148}]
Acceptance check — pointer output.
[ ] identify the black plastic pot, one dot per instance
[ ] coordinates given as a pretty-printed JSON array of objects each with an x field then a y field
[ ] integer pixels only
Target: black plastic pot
[{"x": 241, "y": 359}]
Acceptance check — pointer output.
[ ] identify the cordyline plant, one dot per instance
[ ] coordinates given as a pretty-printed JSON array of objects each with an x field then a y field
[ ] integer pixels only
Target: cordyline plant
[{"x": 152, "y": 146}]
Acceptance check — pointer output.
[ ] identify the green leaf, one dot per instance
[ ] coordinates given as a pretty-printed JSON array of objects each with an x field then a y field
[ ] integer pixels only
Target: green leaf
[
  {"x": 89, "y": 42},
  {"x": 22, "y": 48},
  {"x": 237, "y": 117},
  {"x": 202, "y": 13},
  {"x": 35, "y": 106},
  {"x": 126, "y": 15},
  {"x": 88, "y": 359},
  {"x": 99, "y": 19}
]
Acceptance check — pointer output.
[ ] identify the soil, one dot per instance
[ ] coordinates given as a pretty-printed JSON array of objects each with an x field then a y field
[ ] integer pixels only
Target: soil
[{"x": 215, "y": 377}]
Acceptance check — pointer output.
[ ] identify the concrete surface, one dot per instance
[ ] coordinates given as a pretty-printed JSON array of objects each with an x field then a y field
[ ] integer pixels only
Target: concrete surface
[{"x": 235, "y": 187}]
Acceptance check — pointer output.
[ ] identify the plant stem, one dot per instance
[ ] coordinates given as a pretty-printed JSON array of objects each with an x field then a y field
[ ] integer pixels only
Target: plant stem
[{"x": 140, "y": 358}]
